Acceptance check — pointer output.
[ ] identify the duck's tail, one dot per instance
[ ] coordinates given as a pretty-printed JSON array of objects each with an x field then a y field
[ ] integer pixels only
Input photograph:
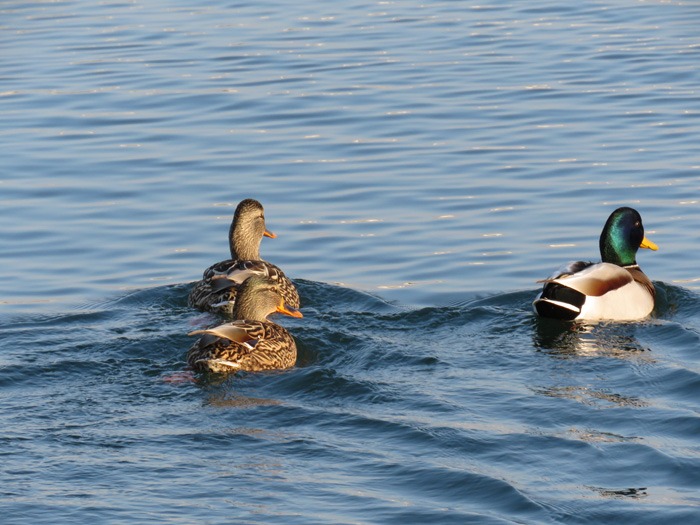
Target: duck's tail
[{"x": 559, "y": 302}]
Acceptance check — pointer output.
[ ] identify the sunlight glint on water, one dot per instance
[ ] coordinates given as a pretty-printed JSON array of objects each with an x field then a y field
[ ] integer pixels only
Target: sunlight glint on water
[{"x": 423, "y": 165}]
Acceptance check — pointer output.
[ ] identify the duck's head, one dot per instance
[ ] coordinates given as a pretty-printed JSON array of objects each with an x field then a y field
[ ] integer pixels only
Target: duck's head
[
  {"x": 247, "y": 230},
  {"x": 622, "y": 236},
  {"x": 259, "y": 297}
]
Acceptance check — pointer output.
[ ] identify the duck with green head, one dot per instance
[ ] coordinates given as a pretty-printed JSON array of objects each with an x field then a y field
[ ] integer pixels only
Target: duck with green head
[{"x": 614, "y": 289}]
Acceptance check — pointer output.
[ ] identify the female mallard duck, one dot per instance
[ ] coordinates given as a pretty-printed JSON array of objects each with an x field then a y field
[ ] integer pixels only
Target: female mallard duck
[
  {"x": 615, "y": 289},
  {"x": 217, "y": 290},
  {"x": 251, "y": 343}
]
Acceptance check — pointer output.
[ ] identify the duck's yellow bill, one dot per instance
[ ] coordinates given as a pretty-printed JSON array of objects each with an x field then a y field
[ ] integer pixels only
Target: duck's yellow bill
[
  {"x": 646, "y": 243},
  {"x": 268, "y": 233},
  {"x": 288, "y": 310}
]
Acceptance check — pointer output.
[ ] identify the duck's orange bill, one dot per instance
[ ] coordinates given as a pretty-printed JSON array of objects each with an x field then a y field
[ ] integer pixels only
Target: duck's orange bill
[
  {"x": 288, "y": 310},
  {"x": 646, "y": 243},
  {"x": 268, "y": 233}
]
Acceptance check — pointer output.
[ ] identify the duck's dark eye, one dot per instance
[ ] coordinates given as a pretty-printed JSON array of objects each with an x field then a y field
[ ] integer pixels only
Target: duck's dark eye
[{"x": 637, "y": 224}]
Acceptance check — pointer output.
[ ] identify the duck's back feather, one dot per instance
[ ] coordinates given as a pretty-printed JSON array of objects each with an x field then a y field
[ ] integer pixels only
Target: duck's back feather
[
  {"x": 237, "y": 331},
  {"x": 242, "y": 345},
  {"x": 595, "y": 280},
  {"x": 596, "y": 292},
  {"x": 218, "y": 292},
  {"x": 219, "y": 268}
]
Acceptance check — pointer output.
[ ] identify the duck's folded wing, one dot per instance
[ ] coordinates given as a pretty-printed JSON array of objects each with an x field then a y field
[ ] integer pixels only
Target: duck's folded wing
[
  {"x": 236, "y": 275},
  {"x": 244, "y": 269},
  {"x": 219, "y": 284},
  {"x": 218, "y": 268},
  {"x": 596, "y": 280},
  {"x": 236, "y": 331}
]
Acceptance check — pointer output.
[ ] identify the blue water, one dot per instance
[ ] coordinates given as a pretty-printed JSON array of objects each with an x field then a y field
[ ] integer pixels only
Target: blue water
[{"x": 423, "y": 165}]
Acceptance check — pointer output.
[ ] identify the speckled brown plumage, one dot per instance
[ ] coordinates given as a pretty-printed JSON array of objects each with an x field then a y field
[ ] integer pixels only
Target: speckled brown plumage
[
  {"x": 217, "y": 290},
  {"x": 251, "y": 343},
  {"x": 267, "y": 346},
  {"x": 218, "y": 293}
]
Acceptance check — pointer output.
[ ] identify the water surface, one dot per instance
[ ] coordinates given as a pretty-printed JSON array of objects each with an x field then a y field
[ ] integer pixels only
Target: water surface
[{"x": 423, "y": 165}]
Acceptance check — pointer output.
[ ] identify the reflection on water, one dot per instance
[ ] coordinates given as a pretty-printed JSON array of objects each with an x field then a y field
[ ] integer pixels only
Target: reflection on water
[
  {"x": 566, "y": 339},
  {"x": 592, "y": 397},
  {"x": 621, "y": 493},
  {"x": 596, "y": 436},
  {"x": 229, "y": 400}
]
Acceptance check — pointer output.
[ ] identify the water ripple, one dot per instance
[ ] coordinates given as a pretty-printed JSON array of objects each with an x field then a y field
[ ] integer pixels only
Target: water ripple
[{"x": 423, "y": 166}]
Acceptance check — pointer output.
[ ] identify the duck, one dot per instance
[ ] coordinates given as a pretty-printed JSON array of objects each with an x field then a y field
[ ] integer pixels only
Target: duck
[
  {"x": 217, "y": 290},
  {"x": 251, "y": 343},
  {"x": 615, "y": 289}
]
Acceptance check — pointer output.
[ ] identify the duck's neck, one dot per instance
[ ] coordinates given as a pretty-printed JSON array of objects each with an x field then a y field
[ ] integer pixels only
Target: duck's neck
[
  {"x": 246, "y": 309},
  {"x": 616, "y": 251},
  {"x": 243, "y": 247}
]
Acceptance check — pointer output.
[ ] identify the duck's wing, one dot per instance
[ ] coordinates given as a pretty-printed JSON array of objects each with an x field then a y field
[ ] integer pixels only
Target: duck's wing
[
  {"x": 218, "y": 268},
  {"x": 277, "y": 351},
  {"x": 242, "y": 345},
  {"x": 595, "y": 280},
  {"x": 240, "y": 271},
  {"x": 244, "y": 332},
  {"x": 235, "y": 275}
]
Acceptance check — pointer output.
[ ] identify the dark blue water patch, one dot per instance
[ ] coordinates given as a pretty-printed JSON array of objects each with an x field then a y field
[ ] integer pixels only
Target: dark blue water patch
[
  {"x": 675, "y": 302},
  {"x": 437, "y": 396},
  {"x": 619, "y": 508},
  {"x": 340, "y": 299},
  {"x": 445, "y": 408},
  {"x": 449, "y": 486}
]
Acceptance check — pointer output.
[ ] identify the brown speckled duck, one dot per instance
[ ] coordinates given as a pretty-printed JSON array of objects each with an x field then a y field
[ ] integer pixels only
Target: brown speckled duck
[
  {"x": 217, "y": 290},
  {"x": 251, "y": 343}
]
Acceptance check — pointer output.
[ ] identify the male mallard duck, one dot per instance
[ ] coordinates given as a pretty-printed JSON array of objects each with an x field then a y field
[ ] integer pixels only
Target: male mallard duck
[
  {"x": 251, "y": 343},
  {"x": 615, "y": 289},
  {"x": 217, "y": 290}
]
